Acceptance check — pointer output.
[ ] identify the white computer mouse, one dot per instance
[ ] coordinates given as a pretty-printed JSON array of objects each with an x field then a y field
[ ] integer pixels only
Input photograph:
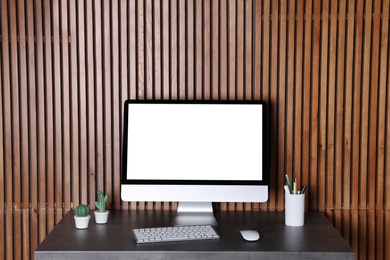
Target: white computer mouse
[{"x": 250, "y": 235}]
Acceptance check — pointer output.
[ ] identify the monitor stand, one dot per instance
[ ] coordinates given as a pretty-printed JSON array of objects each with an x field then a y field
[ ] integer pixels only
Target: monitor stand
[{"x": 195, "y": 213}]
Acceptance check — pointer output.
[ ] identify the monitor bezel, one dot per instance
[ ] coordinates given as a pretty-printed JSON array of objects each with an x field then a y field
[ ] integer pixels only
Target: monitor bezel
[{"x": 265, "y": 177}]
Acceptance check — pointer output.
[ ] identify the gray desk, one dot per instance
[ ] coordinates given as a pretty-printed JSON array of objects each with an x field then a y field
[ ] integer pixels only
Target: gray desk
[{"x": 317, "y": 239}]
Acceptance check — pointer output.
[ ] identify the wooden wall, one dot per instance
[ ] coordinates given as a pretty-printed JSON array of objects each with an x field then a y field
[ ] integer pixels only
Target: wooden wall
[{"x": 67, "y": 66}]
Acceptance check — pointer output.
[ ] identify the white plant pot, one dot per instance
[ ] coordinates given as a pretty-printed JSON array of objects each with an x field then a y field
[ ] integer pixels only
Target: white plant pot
[
  {"x": 82, "y": 222},
  {"x": 101, "y": 217}
]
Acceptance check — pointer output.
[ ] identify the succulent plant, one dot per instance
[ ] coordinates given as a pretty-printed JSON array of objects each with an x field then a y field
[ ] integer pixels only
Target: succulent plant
[
  {"x": 82, "y": 210},
  {"x": 101, "y": 204}
]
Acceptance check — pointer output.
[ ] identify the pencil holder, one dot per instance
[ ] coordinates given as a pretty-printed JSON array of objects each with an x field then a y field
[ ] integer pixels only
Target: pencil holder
[{"x": 294, "y": 209}]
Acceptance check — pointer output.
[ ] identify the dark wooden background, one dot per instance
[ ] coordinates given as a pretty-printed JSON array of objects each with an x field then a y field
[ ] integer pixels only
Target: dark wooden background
[{"x": 67, "y": 66}]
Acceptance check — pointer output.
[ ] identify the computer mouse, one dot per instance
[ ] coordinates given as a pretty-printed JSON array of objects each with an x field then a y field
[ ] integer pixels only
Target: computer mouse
[{"x": 250, "y": 235}]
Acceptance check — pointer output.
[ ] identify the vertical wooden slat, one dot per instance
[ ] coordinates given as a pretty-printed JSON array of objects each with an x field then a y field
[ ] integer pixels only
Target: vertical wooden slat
[
  {"x": 290, "y": 89},
  {"x": 266, "y": 11},
  {"x": 25, "y": 127},
  {"x": 346, "y": 223},
  {"x": 25, "y": 223},
  {"x": 387, "y": 10},
  {"x": 223, "y": 43},
  {"x": 339, "y": 185},
  {"x": 323, "y": 105},
  {"x": 382, "y": 105},
  {"x": 74, "y": 108},
  {"x": 355, "y": 231},
  {"x": 23, "y": 92},
  {"x": 206, "y": 58},
  {"x": 49, "y": 115},
  {"x": 41, "y": 122},
  {"x": 223, "y": 50},
  {"x": 165, "y": 52},
  {"x": 248, "y": 50},
  {"x": 90, "y": 105},
  {"x": 373, "y": 108},
  {"x": 99, "y": 96},
  {"x": 240, "y": 54},
  {"x": 17, "y": 245},
  {"x": 116, "y": 100},
  {"x": 215, "y": 28},
  {"x": 131, "y": 45},
  {"x": 10, "y": 246},
  {"x": 140, "y": 34},
  {"x": 387, "y": 235},
  {"x": 174, "y": 45},
  {"x": 157, "y": 57},
  {"x": 4, "y": 143},
  {"x": 124, "y": 89},
  {"x": 307, "y": 124},
  {"x": 149, "y": 52},
  {"x": 258, "y": 24},
  {"x": 108, "y": 106},
  {"x": 2, "y": 175},
  {"x": 182, "y": 50},
  {"x": 190, "y": 49},
  {"x": 313, "y": 189},
  {"x": 58, "y": 111},
  {"x": 66, "y": 105},
  {"x": 132, "y": 60},
  {"x": 239, "y": 84},
  {"x": 198, "y": 50},
  {"x": 82, "y": 101},
  {"x": 2, "y": 153},
  {"x": 331, "y": 107},
  {"x": 371, "y": 243},
  {"x": 348, "y": 88},
  {"x": 373, "y": 131},
  {"x": 281, "y": 116},
  {"x": 232, "y": 46},
  {"x": 347, "y": 139},
  {"x": 384, "y": 76},
  {"x": 276, "y": 180},
  {"x": 357, "y": 97},
  {"x": 365, "y": 202},
  {"x": 298, "y": 95},
  {"x": 379, "y": 230},
  {"x": 231, "y": 58},
  {"x": 356, "y": 105}
]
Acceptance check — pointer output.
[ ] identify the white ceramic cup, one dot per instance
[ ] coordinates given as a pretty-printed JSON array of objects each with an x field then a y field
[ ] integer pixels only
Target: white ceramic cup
[{"x": 294, "y": 209}]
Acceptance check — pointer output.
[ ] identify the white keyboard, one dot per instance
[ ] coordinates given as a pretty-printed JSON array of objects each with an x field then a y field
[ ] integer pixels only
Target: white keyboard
[{"x": 175, "y": 233}]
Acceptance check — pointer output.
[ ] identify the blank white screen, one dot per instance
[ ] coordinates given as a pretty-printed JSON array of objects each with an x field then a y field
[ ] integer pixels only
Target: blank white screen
[{"x": 194, "y": 142}]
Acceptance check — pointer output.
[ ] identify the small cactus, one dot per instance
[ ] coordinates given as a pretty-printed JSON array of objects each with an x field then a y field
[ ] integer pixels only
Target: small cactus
[
  {"x": 82, "y": 210},
  {"x": 101, "y": 204}
]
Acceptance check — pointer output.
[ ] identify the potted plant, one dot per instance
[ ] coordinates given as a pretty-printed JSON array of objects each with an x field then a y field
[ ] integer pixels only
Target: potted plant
[
  {"x": 101, "y": 215},
  {"x": 82, "y": 216}
]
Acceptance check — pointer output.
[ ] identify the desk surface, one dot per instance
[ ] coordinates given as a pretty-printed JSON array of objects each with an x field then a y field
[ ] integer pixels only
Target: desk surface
[{"x": 317, "y": 239}]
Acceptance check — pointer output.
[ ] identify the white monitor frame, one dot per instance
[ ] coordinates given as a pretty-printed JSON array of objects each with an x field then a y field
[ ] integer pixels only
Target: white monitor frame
[{"x": 238, "y": 186}]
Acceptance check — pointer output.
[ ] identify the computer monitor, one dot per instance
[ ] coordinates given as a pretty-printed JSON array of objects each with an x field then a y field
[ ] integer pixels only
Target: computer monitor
[{"x": 194, "y": 153}]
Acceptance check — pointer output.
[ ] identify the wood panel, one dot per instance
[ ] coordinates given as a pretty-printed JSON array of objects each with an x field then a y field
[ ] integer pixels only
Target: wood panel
[{"x": 66, "y": 68}]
